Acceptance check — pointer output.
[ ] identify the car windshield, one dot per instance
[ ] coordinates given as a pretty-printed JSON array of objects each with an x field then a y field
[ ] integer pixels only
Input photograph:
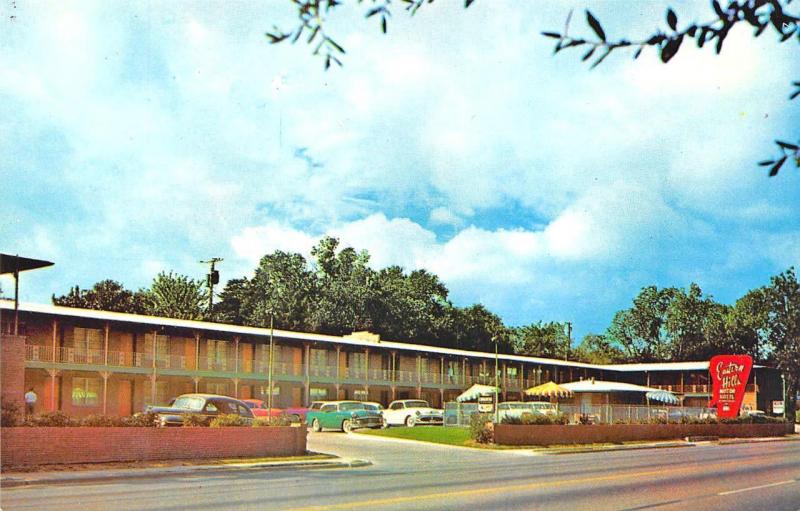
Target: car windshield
[
  {"x": 346, "y": 407},
  {"x": 416, "y": 404},
  {"x": 373, "y": 407},
  {"x": 517, "y": 406},
  {"x": 189, "y": 403},
  {"x": 251, "y": 404}
]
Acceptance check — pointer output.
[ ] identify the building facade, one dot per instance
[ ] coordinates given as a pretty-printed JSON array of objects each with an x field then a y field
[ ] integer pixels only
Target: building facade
[{"x": 96, "y": 362}]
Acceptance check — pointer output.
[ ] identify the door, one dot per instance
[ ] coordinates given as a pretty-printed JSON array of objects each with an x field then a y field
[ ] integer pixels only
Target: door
[{"x": 124, "y": 398}]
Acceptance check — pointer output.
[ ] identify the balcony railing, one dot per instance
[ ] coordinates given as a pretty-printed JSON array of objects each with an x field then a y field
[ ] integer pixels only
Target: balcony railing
[
  {"x": 697, "y": 388},
  {"x": 322, "y": 371}
]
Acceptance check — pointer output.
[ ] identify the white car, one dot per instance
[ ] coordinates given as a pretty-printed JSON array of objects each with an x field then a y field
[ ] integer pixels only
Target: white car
[
  {"x": 515, "y": 409},
  {"x": 411, "y": 412}
]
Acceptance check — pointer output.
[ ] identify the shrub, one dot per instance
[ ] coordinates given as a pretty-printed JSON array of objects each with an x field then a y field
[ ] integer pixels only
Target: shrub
[
  {"x": 194, "y": 421},
  {"x": 481, "y": 428},
  {"x": 280, "y": 420},
  {"x": 56, "y": 419},
  {"x": 228, "y": 420},
  {"x": 10, "y": 415},
  {"x": 102, "y": 421},
  {"x": 140, "y": 420}
]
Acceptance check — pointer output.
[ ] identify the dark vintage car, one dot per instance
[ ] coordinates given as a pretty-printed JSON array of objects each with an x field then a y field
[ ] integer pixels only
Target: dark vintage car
[{"x": 207, "y": 406}]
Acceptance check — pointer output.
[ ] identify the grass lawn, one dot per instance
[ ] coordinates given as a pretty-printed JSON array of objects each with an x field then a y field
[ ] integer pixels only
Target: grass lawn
[{"x": 434, "y": 434}]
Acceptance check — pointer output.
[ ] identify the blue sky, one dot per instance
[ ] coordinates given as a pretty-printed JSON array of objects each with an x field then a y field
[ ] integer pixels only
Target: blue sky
[{"x": 139, "y": 137}]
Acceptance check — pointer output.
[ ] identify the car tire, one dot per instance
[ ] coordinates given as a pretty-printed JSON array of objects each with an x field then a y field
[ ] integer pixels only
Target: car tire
[
  {"x": 410, "y": 421},
  {"x": 347, "y": 426},
  {"x": 315, "y": 426}
]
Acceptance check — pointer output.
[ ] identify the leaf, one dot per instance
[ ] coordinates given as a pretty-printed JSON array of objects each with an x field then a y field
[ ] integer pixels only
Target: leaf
[
  {"x": 787, "y": 145},
  {"x": 383, "y": 24},
  {"x": 601, "y": 59},
  {"x": 692, "y": 31},
  {"x": 589, "y": 54},
  {"x": 672, "y": 19},
  {"x": 795, "y": 94},
  {"x": 774, "y": 170},
  {"x": 766, "y": 163},
  {"x": 718, "y": 9},
  {"x": 467, "y": 3},
  {"x": 551, "y": 35},
  {"x": 373, "y": 11},
  {"x": 595, "y": 25},
  {"x": 670, "y": 49},
  {"x": 638, "y": 52}
]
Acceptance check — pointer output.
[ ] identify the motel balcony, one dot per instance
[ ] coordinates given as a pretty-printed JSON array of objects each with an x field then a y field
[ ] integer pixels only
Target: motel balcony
[{"x": 697, "y": 388}]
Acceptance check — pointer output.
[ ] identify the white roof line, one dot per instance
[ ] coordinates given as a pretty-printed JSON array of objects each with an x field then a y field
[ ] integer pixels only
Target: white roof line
[{"x": 265, "y": 332}]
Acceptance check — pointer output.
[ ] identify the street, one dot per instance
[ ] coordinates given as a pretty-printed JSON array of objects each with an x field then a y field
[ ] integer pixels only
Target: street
[{"x": 763, "y": 476}]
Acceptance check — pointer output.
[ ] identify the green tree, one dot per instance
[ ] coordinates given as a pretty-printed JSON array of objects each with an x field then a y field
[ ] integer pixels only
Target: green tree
[
  {"x": 178, "y": 296},
  {"x": 542, "y": 339},
  {"x": 784, "y": 331},
  {"x": 598, "y": 349},
  {"x": 108, "y": 295},
  {"x": 641, "y": 330},
  {"x": 283, "y": 288},
  {"x": 748, "y": 324}
]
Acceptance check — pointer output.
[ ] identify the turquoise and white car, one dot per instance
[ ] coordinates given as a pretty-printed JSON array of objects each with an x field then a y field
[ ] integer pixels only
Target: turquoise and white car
[{"x": 344, "y": 416}]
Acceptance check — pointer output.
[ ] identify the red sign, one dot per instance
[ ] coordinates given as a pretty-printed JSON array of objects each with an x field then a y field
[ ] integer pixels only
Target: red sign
[{"x": 729, "y": 374}]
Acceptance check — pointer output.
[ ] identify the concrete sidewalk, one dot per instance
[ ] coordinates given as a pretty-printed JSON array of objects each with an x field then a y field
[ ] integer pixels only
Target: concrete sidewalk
[{"x": 16, "y": 479}]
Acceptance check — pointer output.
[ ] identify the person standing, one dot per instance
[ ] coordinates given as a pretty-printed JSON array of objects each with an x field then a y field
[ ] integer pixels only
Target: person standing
[{"x": 30, "y": 401}]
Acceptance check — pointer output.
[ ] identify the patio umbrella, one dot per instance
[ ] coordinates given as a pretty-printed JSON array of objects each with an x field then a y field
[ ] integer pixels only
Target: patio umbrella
[
  {"x": 663, "y": 396},
  {"x": 549, "y": 389}
]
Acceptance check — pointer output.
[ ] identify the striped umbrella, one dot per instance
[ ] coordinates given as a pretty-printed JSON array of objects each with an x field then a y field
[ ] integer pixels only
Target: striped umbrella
[{"x": 549, "y": 389}]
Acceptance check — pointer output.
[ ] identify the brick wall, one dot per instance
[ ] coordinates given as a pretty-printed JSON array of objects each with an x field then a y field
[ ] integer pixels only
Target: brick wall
[
  {"x": 41, "y": 446},
  {"x": 515, "y": 434},
  {"x": 12, "y": 369}
]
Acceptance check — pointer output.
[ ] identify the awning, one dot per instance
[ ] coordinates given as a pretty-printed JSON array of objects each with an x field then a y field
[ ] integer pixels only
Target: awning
[
  {"x": 476, "y": 390},
  {"x": 549, "y": 389},
  {"x": 13, "y": 263}
]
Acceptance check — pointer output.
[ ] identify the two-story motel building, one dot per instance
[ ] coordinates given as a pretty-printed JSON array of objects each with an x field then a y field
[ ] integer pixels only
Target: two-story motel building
[{"x": 90, "y": 362}]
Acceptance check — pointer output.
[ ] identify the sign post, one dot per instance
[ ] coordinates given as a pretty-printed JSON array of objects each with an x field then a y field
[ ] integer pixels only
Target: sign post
[{"x": 729, "y": 375}]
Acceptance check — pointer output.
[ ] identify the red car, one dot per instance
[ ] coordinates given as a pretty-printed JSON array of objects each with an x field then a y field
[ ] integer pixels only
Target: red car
[{"x": 260, "y": 409}]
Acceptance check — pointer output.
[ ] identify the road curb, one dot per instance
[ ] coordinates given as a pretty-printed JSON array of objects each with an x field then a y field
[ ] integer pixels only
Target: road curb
[
  {"x": 48, "y": 478},
  {"x": 733, "y": 441},
  {"x": 665, "y": 445}
]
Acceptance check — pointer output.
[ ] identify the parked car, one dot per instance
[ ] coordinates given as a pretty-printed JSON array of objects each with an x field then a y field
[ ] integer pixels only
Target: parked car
[
  {"x": 369, "y": 405},
  {"x": 515, "y": 409},
  {"x": 412, "y": 412},
  {"x": 207, "y": 406},
  {"x": 261, "y": 409},
  {"x": 344, "y": 415}
]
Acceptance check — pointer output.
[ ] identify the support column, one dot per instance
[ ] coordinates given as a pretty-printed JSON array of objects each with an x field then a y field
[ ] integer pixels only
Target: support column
[
  {"x": 307, "y": 375},
  {"x": 197, "y": 351},
  {"x": 419, "y": 376},
  {"x": 54, "y": 356},
  {"x": 338, "y": 368},
  {"x": 155, "y": 369},
  {"x": 236, "y": 388},
  {"x": 236, "y": 354},
  {"x": 366, "y": 372},
  {"x": 53, "y": 373},
  {"x": 105, "y": 350},
  {"x": 464, "y": 371},
  {"x": 196, "y": 381},
  {"x": 505, "y": 382},
  {"x": 105, "y": 375},
  {"x": 394, "y": 375}
]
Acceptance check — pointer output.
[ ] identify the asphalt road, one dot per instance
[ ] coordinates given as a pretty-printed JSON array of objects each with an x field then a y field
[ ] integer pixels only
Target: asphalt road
[{"x": 762, "y": 477}]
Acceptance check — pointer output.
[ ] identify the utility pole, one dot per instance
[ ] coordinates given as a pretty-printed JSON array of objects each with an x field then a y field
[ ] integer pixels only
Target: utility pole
[
  {"x": 569, "y": 340},
  {"x": 211, "y": 279},
  {"x": 269, "y": 369},
  {"x": 496, "y": 383}
]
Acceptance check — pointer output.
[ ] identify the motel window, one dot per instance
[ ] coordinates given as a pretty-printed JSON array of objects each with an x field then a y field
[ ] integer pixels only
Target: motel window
[
  {"x": 511, "y": 372},
  {"x": 85, "y": 391},
  {"x": 319, "y": 358},
  {"x": 220, "y": 388},
  {"x": 217, "y": 351},
  {"x": 318, "y": 394},
  {"x": 263, "y": 391},
  {"x": 87, "y": 339},
  {"x": 161, "y": 348},
  {"x": 162, "y": 394},
  {"x": 357, "y": 360},
  {"x": 360, "y": 395}
]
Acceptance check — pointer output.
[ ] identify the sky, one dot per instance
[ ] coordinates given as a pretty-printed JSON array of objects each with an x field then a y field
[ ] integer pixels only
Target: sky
[{"x": 139, "y": 137}]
